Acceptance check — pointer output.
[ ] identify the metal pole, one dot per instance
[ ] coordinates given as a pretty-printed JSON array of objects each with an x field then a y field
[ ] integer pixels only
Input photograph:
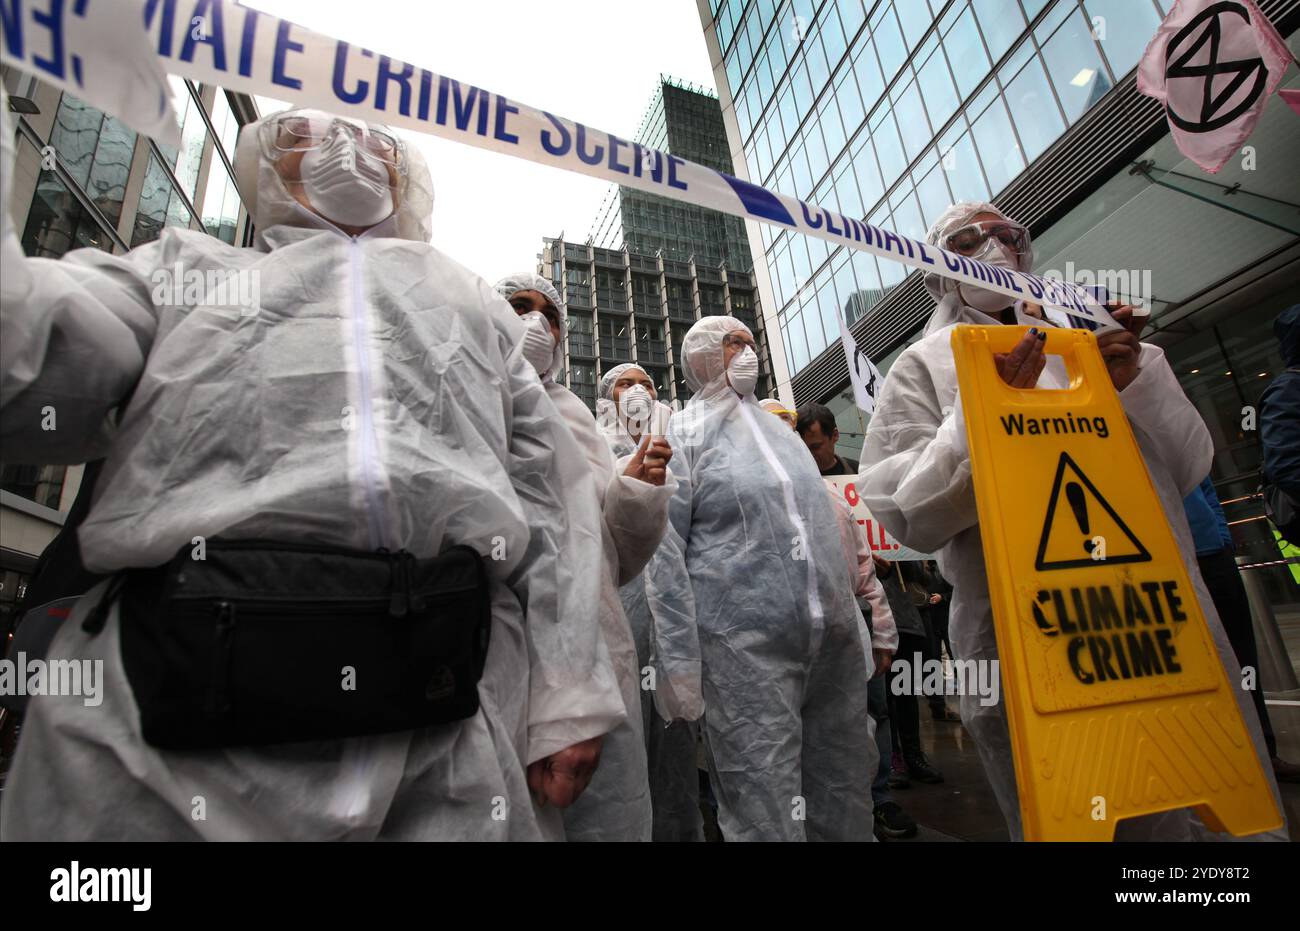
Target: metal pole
[{"x": 1276, "y": 672}]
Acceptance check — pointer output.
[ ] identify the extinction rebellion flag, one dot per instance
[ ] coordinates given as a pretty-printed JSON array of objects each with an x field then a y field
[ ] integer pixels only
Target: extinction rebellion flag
[{"x": 1213, "y": 63}]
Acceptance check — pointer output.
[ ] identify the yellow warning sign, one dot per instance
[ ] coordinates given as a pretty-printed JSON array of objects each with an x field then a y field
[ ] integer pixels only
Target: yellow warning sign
[
  {"x": 1095, "y": 533},
  {"x": 1116, "y": 700}
]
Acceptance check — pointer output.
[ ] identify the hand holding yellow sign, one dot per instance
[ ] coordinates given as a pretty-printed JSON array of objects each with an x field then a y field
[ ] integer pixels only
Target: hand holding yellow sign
[{"x": 1114, "y": 689}]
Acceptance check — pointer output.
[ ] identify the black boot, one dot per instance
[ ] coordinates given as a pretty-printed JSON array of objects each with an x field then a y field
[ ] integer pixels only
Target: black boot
[
  {"x": 941, "y": 712},
  {"x": 892, "y": 821},
  {"x": 920, "y": 768}
]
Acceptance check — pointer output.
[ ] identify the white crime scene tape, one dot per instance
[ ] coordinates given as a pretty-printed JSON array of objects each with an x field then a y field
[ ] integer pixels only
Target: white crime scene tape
[{"x": 218, "y": 42}]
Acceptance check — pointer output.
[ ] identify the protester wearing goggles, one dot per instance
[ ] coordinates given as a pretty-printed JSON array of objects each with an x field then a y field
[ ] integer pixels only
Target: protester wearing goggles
[
  {"x": 348, "y": 172},
  {"x": 916, "y": 473},
  {"x": 369, "y": 417}
]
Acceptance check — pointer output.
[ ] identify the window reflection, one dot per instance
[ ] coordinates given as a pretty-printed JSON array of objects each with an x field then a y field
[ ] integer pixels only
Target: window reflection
[
  {"x": 1075, "y": 66},
  {"x": 915, "y": 19},
  {"x": 96, "y": 151},
  {"x": 58, "y": 223},
  {"x": 889, "y": 43},
  {"x": 912, "y": 122},
  {"x": 934, "y": 195},
  {"x": 818, "y": 70},
  {"x": 833, "y": 41},
  {"x": 812, "y": 326},
  {"x": 798, "y": 341},
  {"x": 997, "y": 145},
  {"x": 867, "y": 71},
  {"x": 888, "y": 149},
  {"x": 155, "y": 211},
  {"x": 1034, "y": 108},
  {"x": 1000, "y": 22},
  {"x": 221, "y": 203},
  {"x": 967, "y": 51},
  {"x": 1123, "y": 28},
  {"x": 959, "y": 162},
  {"x": 936, "y": 87}
]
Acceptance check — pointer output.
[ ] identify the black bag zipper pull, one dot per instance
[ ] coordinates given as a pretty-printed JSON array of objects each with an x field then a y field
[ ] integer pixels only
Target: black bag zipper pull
[
  {"x": 97, "y": 618},
  {"x": 224, "y": 636},
  {"x": 415, "y": 600},
  {"x": 399, "y": 600}
]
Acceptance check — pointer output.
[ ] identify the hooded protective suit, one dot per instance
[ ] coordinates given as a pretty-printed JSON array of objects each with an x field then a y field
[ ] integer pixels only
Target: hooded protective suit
[
  {"x": 670, "y": 745},
  {"x": 916, "y": 479},
  {"x": 616, "y": 805},
  {"x": 754, "y": 557},
  {"x": 375, "y": 396}
]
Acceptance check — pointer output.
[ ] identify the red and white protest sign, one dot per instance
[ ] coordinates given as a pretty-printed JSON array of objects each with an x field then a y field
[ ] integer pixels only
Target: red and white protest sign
[
  {"x": 882, "y": 544},
  {"x": 1214, "y": 64}
]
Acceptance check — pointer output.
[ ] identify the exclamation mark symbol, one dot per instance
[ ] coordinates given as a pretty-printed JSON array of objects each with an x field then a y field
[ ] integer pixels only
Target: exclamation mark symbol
[{"x": 1079, "y": 505}]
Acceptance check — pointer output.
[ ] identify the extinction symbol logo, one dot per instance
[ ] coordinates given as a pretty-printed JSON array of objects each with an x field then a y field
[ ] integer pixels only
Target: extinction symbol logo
[{"x": 1210, "y": 28}]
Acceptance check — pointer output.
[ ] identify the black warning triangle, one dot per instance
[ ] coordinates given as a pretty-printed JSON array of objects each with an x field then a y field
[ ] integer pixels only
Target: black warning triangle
[{"x": 1081, "y": 531}]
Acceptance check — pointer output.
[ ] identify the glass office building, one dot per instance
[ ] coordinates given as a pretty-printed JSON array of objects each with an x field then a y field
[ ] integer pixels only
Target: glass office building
[
  {"x": 687, "y": 122},
  {"x": 654, "y": 266},
  {"x": 628, "y": 307},
  {"x": 84, "y": 179},
  {"x": 890, "y": 110}
]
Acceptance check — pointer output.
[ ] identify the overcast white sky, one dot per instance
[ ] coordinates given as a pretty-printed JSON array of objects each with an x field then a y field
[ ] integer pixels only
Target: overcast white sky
[{"x": 595, "y": 61}]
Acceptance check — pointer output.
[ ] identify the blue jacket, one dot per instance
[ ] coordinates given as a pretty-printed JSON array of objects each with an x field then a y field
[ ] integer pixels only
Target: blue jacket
[
  {"x": 1205, "y": 515},
  {"x": 1279, "y": 410}
]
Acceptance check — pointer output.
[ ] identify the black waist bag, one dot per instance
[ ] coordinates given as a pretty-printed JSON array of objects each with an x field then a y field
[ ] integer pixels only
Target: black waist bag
[{"x": 264, "y": 643}]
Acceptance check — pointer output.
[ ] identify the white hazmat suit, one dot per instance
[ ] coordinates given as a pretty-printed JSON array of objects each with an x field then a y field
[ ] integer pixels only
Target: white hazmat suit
[
  {"x": 916, "y": 479},
  {"x": 670, "y": 744},
  {"x": 616, "y": 805},
  {"x": 753, "y": 558},
  {"x": 375, "y": 396}
]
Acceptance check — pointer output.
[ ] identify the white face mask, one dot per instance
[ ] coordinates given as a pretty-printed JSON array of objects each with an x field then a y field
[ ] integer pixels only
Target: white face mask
[
  {"x": 635, "y": 404},
  {"x": 743, "y": 372},
  {"x": 344, "y": 185},
  {"x": 539, "y": 342},
  {"x": 983, "y": 299}
]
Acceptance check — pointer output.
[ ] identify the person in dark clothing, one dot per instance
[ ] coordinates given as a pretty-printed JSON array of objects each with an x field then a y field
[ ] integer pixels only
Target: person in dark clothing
[
  {"x": 1279, "y": 426},
  {"x": 940, "y": 599},
  {"x": 934, "y": 611},
  {"x": 816, "y": 426},
  {"x": 904, "y": 709},
  {"x": 1215, "y": 557}
]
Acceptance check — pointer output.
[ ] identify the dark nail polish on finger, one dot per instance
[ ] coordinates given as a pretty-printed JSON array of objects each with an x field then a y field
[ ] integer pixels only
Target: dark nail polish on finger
[{"x": 1042, "y": 335}]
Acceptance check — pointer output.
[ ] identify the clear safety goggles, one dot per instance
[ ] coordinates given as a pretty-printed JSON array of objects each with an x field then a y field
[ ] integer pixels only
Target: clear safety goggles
[
  {"x": 971, "y": 239},
  {"x": 739, "y": 341},
  {"x": 303, "y": 131}
]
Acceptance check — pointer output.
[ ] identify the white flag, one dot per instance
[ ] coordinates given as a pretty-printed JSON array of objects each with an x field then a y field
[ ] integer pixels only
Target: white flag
[{"x": 865, "y": 376}]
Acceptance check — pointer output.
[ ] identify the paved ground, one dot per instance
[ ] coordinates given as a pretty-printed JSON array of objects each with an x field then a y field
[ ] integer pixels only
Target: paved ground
[{"x": 963, "y": 806}]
